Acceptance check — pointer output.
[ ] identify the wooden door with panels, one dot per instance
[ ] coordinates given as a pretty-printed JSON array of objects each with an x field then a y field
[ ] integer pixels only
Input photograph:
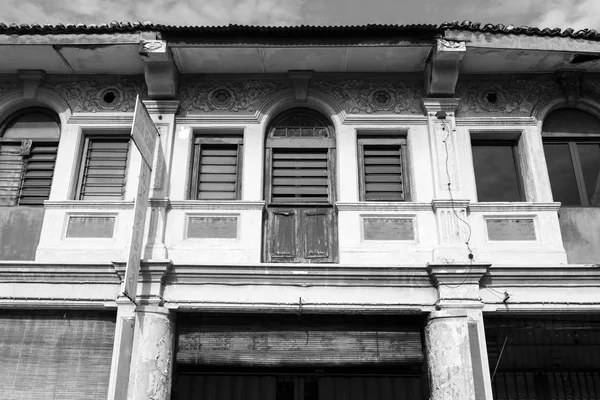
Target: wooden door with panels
[{"x": 300, "y": 221}]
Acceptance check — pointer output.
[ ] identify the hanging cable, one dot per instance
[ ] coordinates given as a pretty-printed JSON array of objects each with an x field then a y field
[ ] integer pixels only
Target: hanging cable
[{"x": 499, "y": 358}]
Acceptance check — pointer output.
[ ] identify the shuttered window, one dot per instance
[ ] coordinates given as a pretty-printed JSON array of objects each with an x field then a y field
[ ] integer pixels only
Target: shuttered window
[
  {"x": 55, "y": 355},
  {"x": 216, "y": 169},
  {"x": 28, "y": 146},
  {"x": 300, "y": 175},
  {"x": 103, "y": 168},
  {"x": 382, "y": 169}
]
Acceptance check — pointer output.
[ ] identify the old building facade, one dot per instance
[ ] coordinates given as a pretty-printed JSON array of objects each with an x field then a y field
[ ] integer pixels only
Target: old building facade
[{"x": 377, "y": 212}]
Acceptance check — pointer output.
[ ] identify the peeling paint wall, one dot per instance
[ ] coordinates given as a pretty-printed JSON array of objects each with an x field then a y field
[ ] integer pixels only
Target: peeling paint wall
[
  {"x": 20, "y": 229},
  {"x": 580, "y": 234}
]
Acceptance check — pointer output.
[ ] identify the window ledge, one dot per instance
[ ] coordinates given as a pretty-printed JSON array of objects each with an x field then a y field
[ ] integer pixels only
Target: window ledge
[
  {"x": 383, "y": 206},
  {"x": 217, "y": 205},
  {"x": 89, "y": 204},
  {"x": 513, "y": 207}
]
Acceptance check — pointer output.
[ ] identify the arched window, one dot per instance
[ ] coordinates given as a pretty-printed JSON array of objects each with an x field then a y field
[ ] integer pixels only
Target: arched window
[
  {"x": 299, "y": 188},
  {"x": 572, "y": 149},
  {"x": 28, "y": 145}
]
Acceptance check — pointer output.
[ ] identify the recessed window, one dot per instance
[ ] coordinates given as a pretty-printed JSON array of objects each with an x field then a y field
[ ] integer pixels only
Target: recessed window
[
  {"x": 216, "y": 168},
  {"x": 572, "y": 150},
  {"x": 103, "y": 167},
  {"x": 496, "y": 171},
  {"x": 28, "y": 146},
  {"x": 382, "y": 167}
]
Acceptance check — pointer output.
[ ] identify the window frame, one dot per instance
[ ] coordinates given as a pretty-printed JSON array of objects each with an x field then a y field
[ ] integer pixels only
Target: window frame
[
  {"x": 34, "y": 141},
  {"x": 383, "y": 139},
  {"x": 95, "y": 135},
  {"x": 571, "y": 140},
  {"x": 200, "y": 139},
  {"x": 516, "y": 147}
]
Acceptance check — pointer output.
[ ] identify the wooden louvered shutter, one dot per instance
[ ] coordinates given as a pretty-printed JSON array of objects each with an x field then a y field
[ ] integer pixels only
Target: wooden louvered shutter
[
  {"x": 383, "y": 174},
  {"x": 300, "y": 175},
  {"x": 104, "y": 168},
  {"x": 38, "y": 173},
  {"x": 216, "y": 168},
  {"x": 55, "y": 355}
]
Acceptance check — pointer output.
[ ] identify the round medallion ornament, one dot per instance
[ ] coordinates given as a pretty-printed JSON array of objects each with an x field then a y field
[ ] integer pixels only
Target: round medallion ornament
[
  {"x": 221, "y": 97},
  {"x": 492, "y": 99},
  {"x": 382, "y": 99},
  {"x": 110, "y": 97}
]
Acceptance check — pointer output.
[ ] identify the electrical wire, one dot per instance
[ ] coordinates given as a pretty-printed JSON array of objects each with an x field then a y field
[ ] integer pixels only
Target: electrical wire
[
  {"x": 470, "y": 256},
  {"x": 499, "y": 358}
]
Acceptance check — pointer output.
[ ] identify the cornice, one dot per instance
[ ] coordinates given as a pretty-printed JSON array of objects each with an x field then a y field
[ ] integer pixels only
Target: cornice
[
  {"x": 89, "y": 205},
  {"x": 382, "y": 206},
  {"x": 577, "y": 275},
  {"x": 434, "y": 104},
  {"x": 32, "y": 272},
  {"x": 162, "y": 106},
  {"x": 447, "y": 203},
  {"x": 457, "y": 274},
  {"x": 150, "y": 270},
  {"x": 513, "y": 207},
  {"x": 200, "y": 205},
  {"x": 299, "y": 275},
  {"x": 384, "y": 119}
]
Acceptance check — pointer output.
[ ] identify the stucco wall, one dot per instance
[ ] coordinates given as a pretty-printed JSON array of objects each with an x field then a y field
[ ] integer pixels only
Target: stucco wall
[
  {"x": 580, "y": 233},
  {"x": 20, "y": 229}
]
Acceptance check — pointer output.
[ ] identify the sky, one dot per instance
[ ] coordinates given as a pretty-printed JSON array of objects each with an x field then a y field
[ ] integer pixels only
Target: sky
[{"x": 576, "y": 14}]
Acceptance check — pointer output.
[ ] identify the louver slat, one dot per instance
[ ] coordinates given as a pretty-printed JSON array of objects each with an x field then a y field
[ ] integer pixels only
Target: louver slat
[{"x": 383, "y": 178}]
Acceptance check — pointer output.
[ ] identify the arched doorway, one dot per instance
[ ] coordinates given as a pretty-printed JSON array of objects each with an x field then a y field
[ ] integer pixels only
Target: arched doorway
[{"x": 299, "y": 188}]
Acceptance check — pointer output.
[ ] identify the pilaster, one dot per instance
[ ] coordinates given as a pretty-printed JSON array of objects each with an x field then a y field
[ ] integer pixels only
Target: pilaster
[{"x": 153, "y": 354}]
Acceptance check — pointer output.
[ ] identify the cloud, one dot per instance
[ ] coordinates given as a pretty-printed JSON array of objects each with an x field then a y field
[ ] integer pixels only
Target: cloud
[
  {"x": 171, "y": 12},
  {"x": 576, "y": 14}
]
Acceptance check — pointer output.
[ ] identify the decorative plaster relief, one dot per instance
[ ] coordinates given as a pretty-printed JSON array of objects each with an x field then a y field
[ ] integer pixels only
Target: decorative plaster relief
[
  {"x": 232, "y": 96},
  {"x": 357, "y": 96},
  {"x": 519, "y": 96},
  {"x": 7, "y": 86},
  {"x": 89, "y": 96}
]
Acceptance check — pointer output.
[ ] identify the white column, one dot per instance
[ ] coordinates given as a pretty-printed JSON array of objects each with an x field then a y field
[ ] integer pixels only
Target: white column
[
  {"x": 153, "y": 354},
  {"x": 456, "y": 351}
]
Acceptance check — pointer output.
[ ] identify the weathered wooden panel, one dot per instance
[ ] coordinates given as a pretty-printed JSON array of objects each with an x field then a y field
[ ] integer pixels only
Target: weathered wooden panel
[
  {"x": 285, "y": 341},
  {"x": 388, "y": 228},
  {"x": 315, "y": 226},
  {"x": 510, "y": 229},
  {"x": 90, "y": 227},
  {"x": 218, "y": 227},
  {"x": 282, "y": 234}
]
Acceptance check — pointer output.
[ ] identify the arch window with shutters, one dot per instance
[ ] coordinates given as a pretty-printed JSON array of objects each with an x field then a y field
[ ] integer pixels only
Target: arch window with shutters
[
  {"x": 28, "y": 147},
  {"x": 299, "y": 189}
]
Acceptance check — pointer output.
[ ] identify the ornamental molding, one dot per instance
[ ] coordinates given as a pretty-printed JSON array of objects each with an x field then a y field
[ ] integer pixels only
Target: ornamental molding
[
  {"x": 245, "y": 96},
  {"x": 356, "y": 96},
  {"x": 522, "y": 96},
  {"x": 90, "y": 96}
]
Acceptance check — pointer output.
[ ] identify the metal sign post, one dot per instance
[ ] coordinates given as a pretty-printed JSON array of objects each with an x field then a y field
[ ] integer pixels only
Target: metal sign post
[{"x": 144, "y": 135}]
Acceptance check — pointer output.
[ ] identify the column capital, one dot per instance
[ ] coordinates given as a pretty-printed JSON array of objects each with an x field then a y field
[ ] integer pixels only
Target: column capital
[
  {"x": 457, "y": 284},
  {"x": 432, "y": 105},
  {"x": 461, "y": 204},
  {"x": 162, "y": 106}
]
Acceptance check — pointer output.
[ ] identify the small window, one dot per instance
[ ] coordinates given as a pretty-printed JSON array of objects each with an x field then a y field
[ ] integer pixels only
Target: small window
[
  {"x": 382, "y": 168},
  {"x": 572, "y": 150},
  {"x": 103, "y": 168},
  {"x": 497, "y": 171},
  {"x": 28, "y": 146},
  {"x": 216, "y": 168}
]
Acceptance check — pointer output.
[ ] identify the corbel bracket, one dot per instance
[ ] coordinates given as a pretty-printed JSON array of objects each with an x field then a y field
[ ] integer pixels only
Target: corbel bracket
[
  {"x": 160, "y": 70},
  {"x": 32, "y": 80},
  {"x": 441, "y": 72},
  {"x": 301, "y": 82}
]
